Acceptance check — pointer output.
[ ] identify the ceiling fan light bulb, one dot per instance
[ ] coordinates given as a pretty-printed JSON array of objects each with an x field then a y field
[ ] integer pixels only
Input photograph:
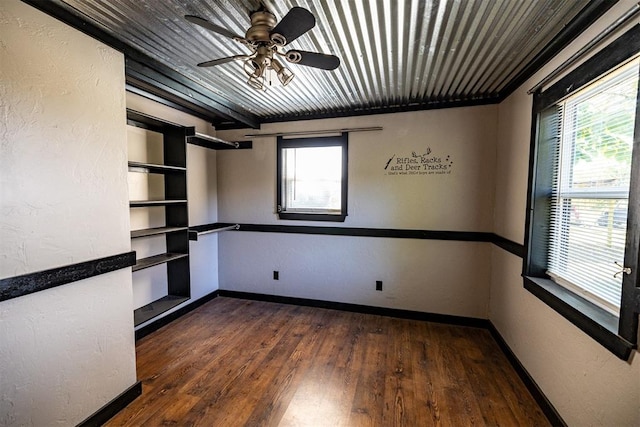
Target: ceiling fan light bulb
[
  {"x": 285, "y": 76},
  {"x": 252, "y": 68},
  {"x": 256, "y": 82}
]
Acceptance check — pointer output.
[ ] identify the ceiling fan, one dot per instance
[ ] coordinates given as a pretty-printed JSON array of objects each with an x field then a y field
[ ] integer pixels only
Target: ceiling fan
[{"x": 266, "y": 40}]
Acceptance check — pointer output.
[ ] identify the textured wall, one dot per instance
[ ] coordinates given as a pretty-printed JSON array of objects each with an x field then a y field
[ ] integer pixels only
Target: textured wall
[
  {"x": 67, "y": 351},
  {"x": 586, "y": 383},
  {"x": 424, "y": 275},
  {"x": 459, "y": 201}
]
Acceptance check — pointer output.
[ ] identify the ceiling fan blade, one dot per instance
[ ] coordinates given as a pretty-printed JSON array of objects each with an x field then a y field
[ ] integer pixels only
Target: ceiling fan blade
[
  {"x": 294, "y": 24},
  {"x": 211, "y": 27},
  {"x": 222, "y": 60},
  {"x": 313, "y": 59}
]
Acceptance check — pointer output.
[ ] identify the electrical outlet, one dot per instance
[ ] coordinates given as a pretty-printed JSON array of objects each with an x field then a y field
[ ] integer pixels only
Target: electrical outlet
[
  {"x": 276, "y": 275},
  {"x": 378, "y": 285}
]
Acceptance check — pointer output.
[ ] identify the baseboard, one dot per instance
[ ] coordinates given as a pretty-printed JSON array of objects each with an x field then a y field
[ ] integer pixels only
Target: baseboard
[
  {"x": 165, "y": 320},
  {"x": 104, "y": 414},
  {"x": 547, "y": 408},
  {"x": 357, "y": 308}
]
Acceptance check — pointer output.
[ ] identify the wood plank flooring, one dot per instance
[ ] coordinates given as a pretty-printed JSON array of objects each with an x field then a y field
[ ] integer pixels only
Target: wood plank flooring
[{"x": 236, "y": 362}]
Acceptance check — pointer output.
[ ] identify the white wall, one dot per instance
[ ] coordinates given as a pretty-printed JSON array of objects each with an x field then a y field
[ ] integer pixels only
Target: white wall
[
  {"x": 585, "y": 382},
  {"x": 425, "y": 275},
  {"x": 64, "y": 352},
  {"x": 150, "y": 284}
]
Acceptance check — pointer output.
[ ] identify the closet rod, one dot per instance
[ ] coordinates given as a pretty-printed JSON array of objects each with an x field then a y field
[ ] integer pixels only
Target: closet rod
[
  {"x": 215, "y": 230},
  {"x": 313, "y": 132},
  {"x": 214, "y": 139},
  {"x": 630, "y": 14}
]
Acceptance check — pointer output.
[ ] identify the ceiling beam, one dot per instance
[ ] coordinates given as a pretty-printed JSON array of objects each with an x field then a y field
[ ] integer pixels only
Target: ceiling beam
[
  {"x": 151, "y": 76},
  {"x": 435, "y": 104}
]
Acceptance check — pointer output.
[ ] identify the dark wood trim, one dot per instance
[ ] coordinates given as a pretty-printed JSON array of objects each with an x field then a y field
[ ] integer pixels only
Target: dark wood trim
[
  {"x": 342, "y": 141},
  {"x": 357, "y": 308},
  {"x": 508, "y": 245},
  {"x": 159, "y": 80},
  {"x": 617, "y": 52},
  {"x": 465, "y": 236},
  {"x": 618, "y": 335},
  {"x": 301, "y": 216},
  {"x": 583, "y": 20},
  {"x": 545, "y": 405},
  {"x": 529, "y": 246},
  {"x": 435, "y": 104},
  {"x": 165, "y": 320},
  {"x": 104, "y": 414},
  {"x": 630, "y": 301},
  {"x": 14, "y": 287}
]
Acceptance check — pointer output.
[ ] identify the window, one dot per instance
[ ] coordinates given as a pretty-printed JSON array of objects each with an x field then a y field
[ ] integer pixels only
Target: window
[
  {"x": 582, "y": 234},
  {"x": 312, "y": 178},
  {"x": 589, "y": 198}
]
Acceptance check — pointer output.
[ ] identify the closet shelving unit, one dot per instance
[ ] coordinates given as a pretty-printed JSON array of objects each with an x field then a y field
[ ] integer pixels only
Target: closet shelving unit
[{"x": 174, "y": 204}]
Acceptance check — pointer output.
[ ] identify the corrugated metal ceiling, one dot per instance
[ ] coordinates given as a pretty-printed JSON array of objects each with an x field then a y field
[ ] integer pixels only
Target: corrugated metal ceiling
[{"x": 394, "y": 54}]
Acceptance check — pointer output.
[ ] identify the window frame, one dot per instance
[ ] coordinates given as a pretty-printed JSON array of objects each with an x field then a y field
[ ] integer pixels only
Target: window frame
[
  {"x": 618, "y": 334},
  {"x": 342, "y": 141}
]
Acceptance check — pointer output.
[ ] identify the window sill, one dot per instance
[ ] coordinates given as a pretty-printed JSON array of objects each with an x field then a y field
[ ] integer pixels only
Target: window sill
[
  {"x": 599, "y": 324},
  {"x": 311, "y": 217}
]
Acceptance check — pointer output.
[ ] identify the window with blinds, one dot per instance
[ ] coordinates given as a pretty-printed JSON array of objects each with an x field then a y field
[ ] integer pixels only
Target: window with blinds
[
  {"x": 593, "y": 130},
  {"x": 312, "y": 178}
]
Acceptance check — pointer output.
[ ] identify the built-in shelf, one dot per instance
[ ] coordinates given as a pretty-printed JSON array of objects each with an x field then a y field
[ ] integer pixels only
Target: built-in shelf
[
  {"x": 148, "y": 203},
  {"x": 174, "y": 231},
  {"x": 156, "y": 260},
  {"x": 155, "y": 231},
  {"x": 153, "y": 168},
  {"x": 155, "y": 308}
]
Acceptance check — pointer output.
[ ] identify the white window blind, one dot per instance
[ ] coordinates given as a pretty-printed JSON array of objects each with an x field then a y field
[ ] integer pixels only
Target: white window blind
[{"x": 589, "y": 199}]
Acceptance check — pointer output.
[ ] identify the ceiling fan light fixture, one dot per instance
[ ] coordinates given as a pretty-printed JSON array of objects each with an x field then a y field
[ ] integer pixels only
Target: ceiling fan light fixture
[
  {"x": 284, "y": 74},
  {"x": 255, "y": 72},
  {"x": 257, "y": 83},
  {"x": 265, "y": 38}
]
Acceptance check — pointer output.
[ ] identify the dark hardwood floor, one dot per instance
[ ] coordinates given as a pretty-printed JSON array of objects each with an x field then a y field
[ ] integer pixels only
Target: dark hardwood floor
[{"x": 236, "y": 362}]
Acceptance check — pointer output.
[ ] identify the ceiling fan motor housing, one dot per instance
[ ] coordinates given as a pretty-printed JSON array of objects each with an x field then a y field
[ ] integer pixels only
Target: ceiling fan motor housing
[{"x": 261, "y": 25}]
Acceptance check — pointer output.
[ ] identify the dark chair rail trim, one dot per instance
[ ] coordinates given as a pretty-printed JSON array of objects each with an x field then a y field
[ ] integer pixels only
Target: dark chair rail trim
[
  {"x": 463, "y": 236},
  {"x": 14, "y": 287}
]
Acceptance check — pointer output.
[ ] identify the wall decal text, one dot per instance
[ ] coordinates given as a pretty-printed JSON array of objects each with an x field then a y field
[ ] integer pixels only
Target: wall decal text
[{"x": 427, "y": 163}]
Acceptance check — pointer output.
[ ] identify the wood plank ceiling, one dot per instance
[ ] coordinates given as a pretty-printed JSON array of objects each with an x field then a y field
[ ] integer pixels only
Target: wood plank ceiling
[{"x": 395, "y": 55}]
